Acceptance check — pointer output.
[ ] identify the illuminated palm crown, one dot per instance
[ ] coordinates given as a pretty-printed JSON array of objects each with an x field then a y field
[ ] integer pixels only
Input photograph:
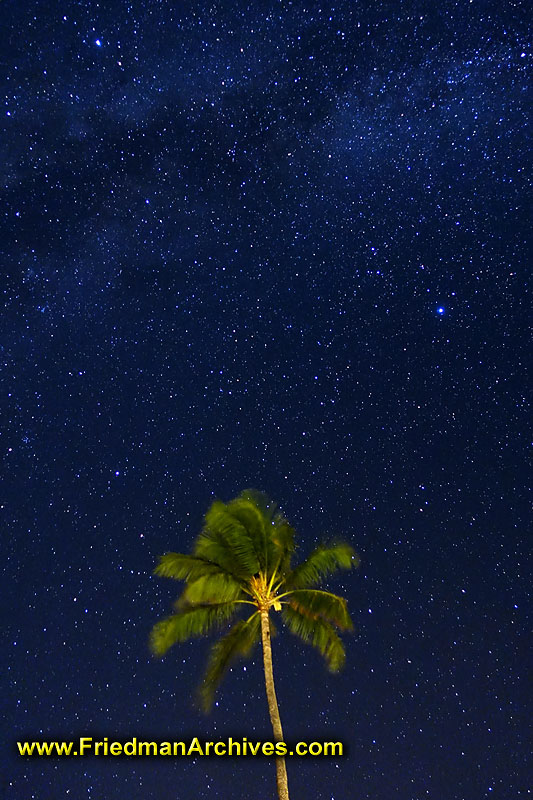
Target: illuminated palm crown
[{"x": 242, "y": 557}]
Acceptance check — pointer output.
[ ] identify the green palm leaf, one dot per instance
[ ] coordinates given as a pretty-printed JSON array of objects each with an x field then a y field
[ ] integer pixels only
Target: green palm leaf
[
  {"x": 323, "y": 561},
  {"x": 218, "y": 587},
  {"x": 184, "y": 567},
  {"x": 187, "y": 624},
  {"x": 319, "y": 633},
  {"x": 257, "y": 526},
  {"x": 239, "y": 641},
  {"x": 226, "y": 541},
  {"x": 315, "y": 603},
  {"x": 283, "y": 538},
  {"x": 266, "y": 507}
]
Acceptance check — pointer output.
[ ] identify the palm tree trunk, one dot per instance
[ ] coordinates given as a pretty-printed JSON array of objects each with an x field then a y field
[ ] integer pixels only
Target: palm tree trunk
[{"x": 273, "y": 710}]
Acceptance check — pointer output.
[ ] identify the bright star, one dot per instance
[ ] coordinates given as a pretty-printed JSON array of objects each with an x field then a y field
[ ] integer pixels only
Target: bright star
[
  {"x": 98, "y": 42},
  {"x": 440, "y": 310}
]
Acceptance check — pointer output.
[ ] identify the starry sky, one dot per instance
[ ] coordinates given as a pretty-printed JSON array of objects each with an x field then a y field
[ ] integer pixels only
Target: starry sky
[{"x": 280, "y": 245}]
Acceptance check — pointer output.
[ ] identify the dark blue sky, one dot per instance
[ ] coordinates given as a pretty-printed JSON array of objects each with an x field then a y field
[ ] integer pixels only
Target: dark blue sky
[{"x": 284, "y": 246}]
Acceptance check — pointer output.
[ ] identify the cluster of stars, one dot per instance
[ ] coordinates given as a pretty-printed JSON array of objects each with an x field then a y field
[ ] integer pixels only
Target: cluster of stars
[{"x": 283, "y": 247}]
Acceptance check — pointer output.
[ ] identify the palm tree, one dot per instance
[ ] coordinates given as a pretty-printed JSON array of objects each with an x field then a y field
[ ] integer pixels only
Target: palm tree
[{"x": 242, "y": 557}]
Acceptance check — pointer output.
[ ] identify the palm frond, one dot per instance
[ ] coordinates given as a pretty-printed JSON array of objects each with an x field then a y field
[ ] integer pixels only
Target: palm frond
[
  {"x": 315, "y": 603},
  {"x": 267, "y": 507},
  {"x": 189, "y": 623},
  {"x": 226, "y": 541},
  {"x": 209, "y": 548},
  {"x": 321, "y": 562},
  {"x": 251, "y": 514},
  {"x": 274, "y": 537},
  {"x": 212, "y": 588},
  {"x": 319, "y": 633},
  {"x": 184, "y": 567},
  {"x": 283, "y": 537},
  {"x": 239, "y": 641}
]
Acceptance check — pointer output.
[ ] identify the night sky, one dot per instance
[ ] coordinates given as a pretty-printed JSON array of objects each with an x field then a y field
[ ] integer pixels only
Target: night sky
[{"x": 275, "y": 245}]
